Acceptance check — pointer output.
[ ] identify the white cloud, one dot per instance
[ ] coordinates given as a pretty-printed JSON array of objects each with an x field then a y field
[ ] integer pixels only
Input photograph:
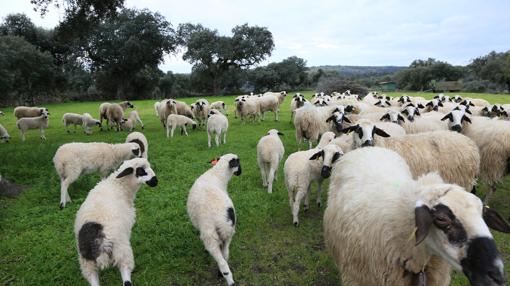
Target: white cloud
[{"x": 361, "y": 32}]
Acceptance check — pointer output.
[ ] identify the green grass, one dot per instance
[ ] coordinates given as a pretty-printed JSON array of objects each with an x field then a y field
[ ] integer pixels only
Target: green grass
[{"x": 36, "y": 238}]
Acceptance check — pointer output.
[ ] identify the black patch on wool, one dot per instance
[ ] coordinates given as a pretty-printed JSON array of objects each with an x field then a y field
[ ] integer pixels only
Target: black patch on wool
[{"x": 90, "y": 238}]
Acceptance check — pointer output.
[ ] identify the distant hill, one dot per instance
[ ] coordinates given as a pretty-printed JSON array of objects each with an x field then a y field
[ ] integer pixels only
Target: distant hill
[{"x": 360, "y": 70}]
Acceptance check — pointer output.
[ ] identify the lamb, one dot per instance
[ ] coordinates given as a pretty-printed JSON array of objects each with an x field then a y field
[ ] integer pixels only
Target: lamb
[
  {"x": 181, "y": 121},
  {"x": 270, "y": 152},
  {"x": 453, "y": 155},
  {"x": 280, "y": 95},
  {"x": 115, "y": 114},
  {"x": 25, "y": 111},
  {"x": 4, "y": 135},
  {"x": 165, "y": 108},
  {"x": 130, "y": 123},
  {"x": 104, "y": 221},
  {"x": 247, "y": 107},
  {"x": 103, "y": 108},
  {"x": 219, "y": 105},
  {"x": 74, "y": 159},
  {"x": 26, "y": 123},
  {"x": 382, "y": 227},
  {"x": 85, "y": 121},
  {"x": 269, "y": 102},
  {"x": 212, "y": 212},
  {"x": 183, "y": 109},
  {"x": 88, "y": 122},
  {"x": 302, "y": 168},
  {"x": 141, "y": 140},
  {"x": 217, "y": 124},
  {"x": 492, "y": 138}
]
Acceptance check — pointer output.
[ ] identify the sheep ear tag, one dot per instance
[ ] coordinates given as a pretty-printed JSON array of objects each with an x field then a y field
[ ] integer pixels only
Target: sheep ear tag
[{"x": 214, "y": 161}]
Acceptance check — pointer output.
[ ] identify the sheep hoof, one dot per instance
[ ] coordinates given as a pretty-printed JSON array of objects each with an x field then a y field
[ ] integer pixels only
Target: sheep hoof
[
  {"x": 61, "y": 206},
  {"x": 296, "y": 224},
  {"x": 219, "y": 274},
  {"x": 319, "y": 204},
  {"x": 127, "y": 283}
]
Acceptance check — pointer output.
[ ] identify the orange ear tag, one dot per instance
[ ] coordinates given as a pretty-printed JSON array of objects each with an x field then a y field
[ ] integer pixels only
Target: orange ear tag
[{"x": 214, "y": 162}]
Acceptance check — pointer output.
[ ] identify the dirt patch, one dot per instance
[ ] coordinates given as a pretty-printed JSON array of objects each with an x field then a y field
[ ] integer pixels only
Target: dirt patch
[{"x": 10, "y": 190}]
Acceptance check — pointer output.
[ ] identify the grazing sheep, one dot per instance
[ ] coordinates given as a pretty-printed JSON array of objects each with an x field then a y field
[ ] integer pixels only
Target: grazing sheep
[
  {"x": 219, "y": 105},
  {"x": 25, "y": 111},
  {"x": 130, "y": 123},
  {"x": 181, "y": 121},
  {"x": 26, "y": 123},
  {"x": 270, "y": 152},
  {"x": 493, "y": 140},
  {"x": 141, "y": 140},
  {"x": 212, "y": 212},
  {"x": 217, "y": 124},
  {"x": 88, "y": 122},
  {"x": 72, "y": 119},
  {"x": 454, "y": 156},
  {"x": 103, "y": 224},
  {"x": 183, "y": 109},
  {"x": 382, "y": 227},
  {"x": 165, "y": 108},
  {"x": 115, "y": 115},
  {"x": 104, "y": 107},
  {"x": 301, "y": 169},
  {"x": 74, "y": 159},
  {"x": 4, "y": 135}
]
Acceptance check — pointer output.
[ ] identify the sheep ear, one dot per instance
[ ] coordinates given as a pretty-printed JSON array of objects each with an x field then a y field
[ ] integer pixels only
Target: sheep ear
[
  {"x": 378, "y": 103},
  {"x": 471, "y": 104},
  {"x": 405, "y": 112},
  {"x": 423, "y": 220},
  {"x": 127, "y": 171},
  {"x": 400, "y": 117},
  {"x": 385, "y": 117},
  {"x": 417, "y": 112},
  {"x": 347, "y": 120},
  {"x": 465, "y": 118},
  {"x": 494, "y": 220},
  {"x": 336, "y": 156},
  {"x": 350, "y": 129},
  {"x": 279, "y": 133},
  {"x": 330, "y": 118},
  {"x": 349, "y": 108},
  {"x": 420, "y": 106},
  {"x": 429, "y": 103},
  {"x": 317, "y": 155},
  {"x": 381, "y": 132},
  {"x": 440, "y": 103},
  {"x": 468, "y": 111},
  {"x": 447, "y": 116}
]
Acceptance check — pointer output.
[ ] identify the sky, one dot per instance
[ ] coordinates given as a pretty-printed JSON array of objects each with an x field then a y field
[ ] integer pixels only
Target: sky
[{"x": 328, "y": 32}]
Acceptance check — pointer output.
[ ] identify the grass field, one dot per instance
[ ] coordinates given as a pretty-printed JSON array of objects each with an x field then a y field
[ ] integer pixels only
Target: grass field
[{"x": 36, "y": 238}]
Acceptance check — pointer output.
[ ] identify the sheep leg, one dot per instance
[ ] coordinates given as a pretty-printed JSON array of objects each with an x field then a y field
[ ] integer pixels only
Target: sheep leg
[
  {"x": 290, "y": 191},
  {"x": 276, "y": 116},
  {"x": 490, "y": 192},
  {"x": 64, "y": 194},
  {"x": 67, "y": 128},
  {"x": 89, "y": 271},
  {"x": 167, "y": 132},
  {"x": 262, "y": 171},
  {"x": 42, "y": 134},
  {"x": 319, "y": 190},
  {"x": 270, "y": 179},
  {"x": 126, "y": 264},
  {"x": 173, "y": 130},
  {"x": 211, "y": 245},
  {"x": 208, "y": 139},
  {"x": 217, "y": 138},
  {"x": 295, "y": 208},
  {"x": 226, "y": 248},
  {"x": 225, "y": 137},
  {"x": 22, "y": 135},
  {"x": 307, "y": 198},
  {"x": 185, "y": 131}
]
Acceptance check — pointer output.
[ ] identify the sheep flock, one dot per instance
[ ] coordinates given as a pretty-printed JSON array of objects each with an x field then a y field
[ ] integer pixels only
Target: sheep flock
[{"x": 402, "y": 205}]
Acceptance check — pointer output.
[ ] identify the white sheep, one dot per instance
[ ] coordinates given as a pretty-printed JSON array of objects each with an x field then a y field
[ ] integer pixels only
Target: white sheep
[
  {"x": 430, "y": 121},
  {"x": 212, "y": 212},
  {"x": 219, "y": 105},
  {"x": 183, "y": 109},
  {"x": 141, "y": 140},
  {"x": 382, "y": 227},
  {"x": 40, "y": 122},
  {"x": 131, "y": 122},
  {"x": 165, "y": 108},
  {"x": 269, "y": 102},
  {"x": 88, "y": 122},
  {"x": 85, "y": 121},
  {"x": 75, "y": 159},
  {"x": 493, "y": 140},
  {"x": 200, "y": 111},
  {"x": 302, "y": 168},
  {"x": 25, "y": 111},
  {"x": 175, "y": 121},
  {"x": 4, "y": 135},
  {"x": 104, "y": 221},
  {"x": 297, "y": 101},
  {"x": 103, "y": 111},
  {"x": 2, "y": 113},
  {"x": 217, "y": 124},
  {"x": 454, "y": 156},
  {"x": 270, "y": 152}
]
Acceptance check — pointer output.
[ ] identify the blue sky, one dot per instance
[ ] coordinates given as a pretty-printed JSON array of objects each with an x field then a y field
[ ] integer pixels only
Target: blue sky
[{"x": 327, "y": 32}]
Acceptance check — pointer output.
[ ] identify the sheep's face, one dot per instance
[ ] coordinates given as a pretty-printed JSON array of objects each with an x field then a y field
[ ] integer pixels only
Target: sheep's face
[
  {"x": 330, "y": 154},
  {"x": 138, "y": 171},
  {"x": 363, "y": 134},
  {"x": 1, "y": 113},
  {"x": 233, "y": 163},
  {"x": 170, "y": 103},
  {"x": 338, "y": 118},
  {"x": 434, "y": 105},
  {"x": 44, "y": 113},
  {"x": 404, "y": 99},
  {"x": 456, "y": 119},
  {"x": 394, "y": 117},
  {"x": 410, "y": 111},
  {"x": 383, "y": 103},
  {"x": 274, "y": 132},
  {"x": 467, "y": 102},
  {"x": 453, "y": 224},
  {"x": 456, "y": 99}
]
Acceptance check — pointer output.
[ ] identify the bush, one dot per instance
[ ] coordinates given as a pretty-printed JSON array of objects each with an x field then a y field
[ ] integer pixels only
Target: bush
[{"x": 339, "y": 84}]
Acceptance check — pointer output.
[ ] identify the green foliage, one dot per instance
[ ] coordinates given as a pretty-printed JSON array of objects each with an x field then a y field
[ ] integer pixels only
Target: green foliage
[
  {"x": 494, "y": 67},
  {"x": 421, "y": 73},
  {"x": 331, "y": 83},
  {"x": 287, "y": 74},
  {"x": 37, "y": 241}
]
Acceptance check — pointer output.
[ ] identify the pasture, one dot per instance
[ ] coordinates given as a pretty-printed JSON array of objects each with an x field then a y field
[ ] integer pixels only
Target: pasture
[{"x": 36, "y": 238}]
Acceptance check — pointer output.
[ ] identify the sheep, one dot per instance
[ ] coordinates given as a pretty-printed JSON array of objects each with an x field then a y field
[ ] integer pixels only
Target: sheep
[
  {"x": 85, "y": 121},
  {"x": 493, "y": 140},
  {"x": 441, "y": 97},
  {"x": 393, "y": 116},
  {"x": 247, "y": 107},
  {"x": 183, "y": 109},
  {"x": 457, "y": 99},
  {"x": 103, "y": 223},
  {"x": 297, "y": 101},
  {"x": 433, "y": 105},
  {"x": 165, "y": 108},
  {"x": 156, "y": 107},
  {"x": 410, "y": 111},
  {"x": 219, "y": 105},
  {"x": 141, "y": 140},
  {"x": 478, "y": 102},
  {"x": 41, "y": 122},
  {"x": 25, "y": 111},
  {"x": 212, "y": 212},
  {"x": 301, "y": 169},
  {"x": 130, "y": 123},
  {"x": 88, "y": 122},
  {"x": 115, "y": 113},
  {"x": 269, "y": 102},
  {"x": 217, "y": 124},
  {"x": 74, "y": 159},
  {"x": 105, "y": 106},
  {"x": 1, "y": 113},
  {"x": 280, "y": 95},
  {"x": 383, "y": 227},
  {"x": 270, "y": 152},
  {"x": 200, "y": 111},
  {"x": 4, "y": 135},
  {"x": 453, "y": 155},
  {"x": 176, "y": 120},
  {"x": 430, "y": 121},
  {"x": 492, "y": 111}
]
